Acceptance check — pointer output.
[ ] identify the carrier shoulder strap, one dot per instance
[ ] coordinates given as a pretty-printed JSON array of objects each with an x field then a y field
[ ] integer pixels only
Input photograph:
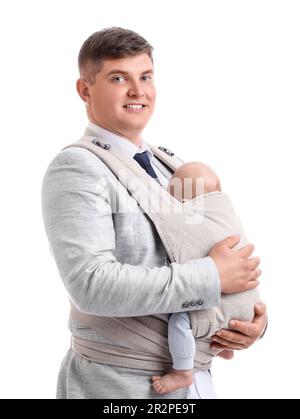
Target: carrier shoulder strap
[{"x": 166, "y": 156}]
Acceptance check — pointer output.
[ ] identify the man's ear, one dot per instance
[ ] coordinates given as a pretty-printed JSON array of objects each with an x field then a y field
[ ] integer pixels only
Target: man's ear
[{"x": 82, "y": 87}]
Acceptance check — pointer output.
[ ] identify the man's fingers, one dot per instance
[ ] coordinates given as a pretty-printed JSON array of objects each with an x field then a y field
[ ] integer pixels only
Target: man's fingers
[
  {"x": 253, "y": 263},
  {"x": 246, "y": 251},
  {"x": 227, "y": 345},
  {"x": 260, "y": 318},
  {"x": 254, "y": 274},
  {"x": 251, "y": 285},
  {"x": 231, "y": 241},
  {"x": 226, "y": 354},
  {"x": 216, "y": 346},
  {"x": 248, "y": 329},
  {"x": 252, "y": 330},
  {"x": 230, "y": 338},
  {"x": 260, "y": 308}
]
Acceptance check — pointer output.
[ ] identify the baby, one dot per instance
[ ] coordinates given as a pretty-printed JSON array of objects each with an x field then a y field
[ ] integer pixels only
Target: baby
[{"x": 190, "y": 183}]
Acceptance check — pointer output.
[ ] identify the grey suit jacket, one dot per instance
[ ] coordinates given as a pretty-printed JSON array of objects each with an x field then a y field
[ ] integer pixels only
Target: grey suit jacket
[{"x": 112, "y": 264}]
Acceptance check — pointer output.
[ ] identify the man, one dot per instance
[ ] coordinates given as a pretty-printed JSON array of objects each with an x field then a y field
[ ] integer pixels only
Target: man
[{"x": 114, "y": 264}]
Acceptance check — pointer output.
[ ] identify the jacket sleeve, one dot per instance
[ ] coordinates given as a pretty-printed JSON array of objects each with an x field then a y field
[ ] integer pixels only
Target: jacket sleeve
[{"x": 79, "y": 224}]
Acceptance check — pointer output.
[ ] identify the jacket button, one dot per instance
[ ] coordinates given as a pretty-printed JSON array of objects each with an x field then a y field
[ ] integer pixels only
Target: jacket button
[
  {"x": 199, "y": 303},
  {"x": 192, "y": 303},
  {"x": 185, "y": 305}
]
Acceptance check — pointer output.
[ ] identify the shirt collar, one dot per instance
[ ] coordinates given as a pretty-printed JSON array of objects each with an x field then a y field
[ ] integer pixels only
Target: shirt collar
[{"x": 122, "y": 144}]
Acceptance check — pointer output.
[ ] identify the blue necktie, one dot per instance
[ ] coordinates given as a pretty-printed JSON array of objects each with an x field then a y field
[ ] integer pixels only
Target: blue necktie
[{"x": 144, "y": 161}]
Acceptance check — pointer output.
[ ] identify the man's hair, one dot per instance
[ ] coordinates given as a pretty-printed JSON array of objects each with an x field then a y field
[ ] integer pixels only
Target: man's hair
[{"x": 109, "y": 43}]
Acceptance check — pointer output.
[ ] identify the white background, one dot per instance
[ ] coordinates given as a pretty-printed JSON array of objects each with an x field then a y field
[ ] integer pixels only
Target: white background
[{"x": 227, "y": 76}]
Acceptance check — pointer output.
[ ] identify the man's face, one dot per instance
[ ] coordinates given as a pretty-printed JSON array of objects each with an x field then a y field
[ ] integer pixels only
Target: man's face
[{"x": 122, "y": 98}]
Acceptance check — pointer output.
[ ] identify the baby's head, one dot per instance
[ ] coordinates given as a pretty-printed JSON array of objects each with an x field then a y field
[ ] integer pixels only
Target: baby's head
[{"x": 193, "y": 179}]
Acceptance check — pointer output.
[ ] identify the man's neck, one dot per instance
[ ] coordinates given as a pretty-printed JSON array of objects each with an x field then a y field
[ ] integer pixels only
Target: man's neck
[{"x": 135, "y": 139}]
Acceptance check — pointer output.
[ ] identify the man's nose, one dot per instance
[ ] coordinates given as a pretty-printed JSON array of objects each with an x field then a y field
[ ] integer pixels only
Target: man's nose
[{"x": 136, "y": 89}]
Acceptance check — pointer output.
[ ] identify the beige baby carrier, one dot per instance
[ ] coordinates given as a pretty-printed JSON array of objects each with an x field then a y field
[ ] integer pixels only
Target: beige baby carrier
[{"x": 186, "y": 233}]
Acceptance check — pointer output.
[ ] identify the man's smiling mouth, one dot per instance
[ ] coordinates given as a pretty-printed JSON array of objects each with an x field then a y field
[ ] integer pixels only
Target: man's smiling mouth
[{"x": 134, "y": 107}]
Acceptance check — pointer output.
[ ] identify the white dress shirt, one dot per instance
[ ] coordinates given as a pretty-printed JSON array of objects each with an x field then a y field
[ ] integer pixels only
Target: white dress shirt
[{"x": 203, "y": 387}]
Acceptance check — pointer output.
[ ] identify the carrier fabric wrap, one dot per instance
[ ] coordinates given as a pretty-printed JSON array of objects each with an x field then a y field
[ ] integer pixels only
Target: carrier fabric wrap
[{"x": 188, "y": 230}]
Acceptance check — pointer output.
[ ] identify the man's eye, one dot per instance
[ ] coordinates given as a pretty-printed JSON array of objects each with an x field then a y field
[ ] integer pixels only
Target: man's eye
[
  {"x": 118, "y": 79},
  {"x": 147, "y": 78}
]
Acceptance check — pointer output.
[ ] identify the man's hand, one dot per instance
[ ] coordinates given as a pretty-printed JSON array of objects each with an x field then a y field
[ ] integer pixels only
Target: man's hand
[
  {"x": 242, "y": 334},
  {"x": 238, "y": 272}
]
